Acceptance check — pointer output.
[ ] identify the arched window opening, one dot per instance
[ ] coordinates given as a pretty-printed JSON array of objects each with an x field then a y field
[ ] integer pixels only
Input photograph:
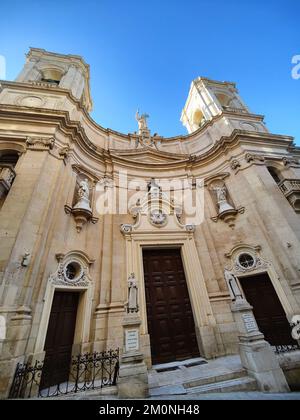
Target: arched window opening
[
  {"x": 198, "y": 118},
  {"x": 275, "y": 174},
  {"x": 9, "y": 158},
  {"x": 52, "y": 76},
  {"x": 8, "y": 161}
]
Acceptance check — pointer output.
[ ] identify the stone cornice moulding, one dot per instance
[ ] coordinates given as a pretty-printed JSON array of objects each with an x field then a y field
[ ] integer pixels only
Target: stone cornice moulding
[
  {"x": 35, "y": 54},
  {"x": 62, "y": 256},
  {"x": 108, "y": 131},
  {"x": 149, "y": 150},
  {"x": 75, "y": 130}
]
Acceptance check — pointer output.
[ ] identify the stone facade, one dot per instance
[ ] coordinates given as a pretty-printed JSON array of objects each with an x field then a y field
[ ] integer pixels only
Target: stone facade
[{"x": 52, "y": 155}]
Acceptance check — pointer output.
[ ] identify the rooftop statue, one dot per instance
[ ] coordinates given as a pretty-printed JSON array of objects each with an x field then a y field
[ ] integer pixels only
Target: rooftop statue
[{"x": 142, "y": 122}]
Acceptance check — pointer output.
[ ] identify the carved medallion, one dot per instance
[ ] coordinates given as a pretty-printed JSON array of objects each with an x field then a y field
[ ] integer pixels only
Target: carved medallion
[{"x": 158, "y": 218}]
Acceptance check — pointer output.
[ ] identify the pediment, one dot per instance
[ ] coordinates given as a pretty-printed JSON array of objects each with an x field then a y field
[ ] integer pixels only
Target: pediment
[{"x": 149, "y": 155}]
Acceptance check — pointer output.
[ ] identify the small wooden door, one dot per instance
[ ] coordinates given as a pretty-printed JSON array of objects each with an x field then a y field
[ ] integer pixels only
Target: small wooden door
[
  {"x": 59, "y": 339},
  {"x": 170, "y": 318},
  {"x": 267, "y": 309}
]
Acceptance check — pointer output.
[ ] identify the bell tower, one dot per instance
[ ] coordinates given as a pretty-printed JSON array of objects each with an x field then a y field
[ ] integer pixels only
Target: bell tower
[
  {"x": 58, "y": 71},
  {"x": 208, "y": 98}
]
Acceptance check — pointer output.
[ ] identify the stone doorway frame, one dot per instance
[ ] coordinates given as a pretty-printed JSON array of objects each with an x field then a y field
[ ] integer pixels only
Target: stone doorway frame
[
  {"x": 205, "y": 322},
  {"x": 261, "y": 266},
  {"x": 84, "y": 311}
]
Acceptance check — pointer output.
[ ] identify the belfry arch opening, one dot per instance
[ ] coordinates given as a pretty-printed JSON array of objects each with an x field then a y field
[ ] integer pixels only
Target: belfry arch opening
[
  {"x": 198, "y": 118},
  {"x": 52, "y": 76}
]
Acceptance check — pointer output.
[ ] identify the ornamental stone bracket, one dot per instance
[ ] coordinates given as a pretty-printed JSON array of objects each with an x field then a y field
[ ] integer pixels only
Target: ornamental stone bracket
[
  {"x": 81, "y": 215},
  {"x": 290, "y": 162},
  {"x": 235, "y": 164},
  {"x": 254, "y": 158},
  {"x": 229, "y": 216},
  {"x": 40, "y": 143},
  {"x": 64, "y": 152}
]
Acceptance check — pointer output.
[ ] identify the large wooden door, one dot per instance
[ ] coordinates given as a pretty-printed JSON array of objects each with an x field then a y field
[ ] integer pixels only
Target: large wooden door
[
  {"x": 59, "y": 339},
  {"x": 170, "y": 319},
  {"x": 267, "y": 309}
]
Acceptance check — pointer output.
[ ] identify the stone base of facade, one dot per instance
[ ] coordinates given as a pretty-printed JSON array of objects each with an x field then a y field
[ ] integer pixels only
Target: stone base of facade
[{"x": 133, "y": 377}]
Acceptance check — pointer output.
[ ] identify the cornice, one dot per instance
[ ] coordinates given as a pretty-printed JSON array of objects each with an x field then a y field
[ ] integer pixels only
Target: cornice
[
  {"x": 75, "y": 131},
  {"x": 150, "y": 151},
  {"x": 242, "y": 137},
  {"x": 108, "y": 131},
  {"x": 36, "y": 53}
]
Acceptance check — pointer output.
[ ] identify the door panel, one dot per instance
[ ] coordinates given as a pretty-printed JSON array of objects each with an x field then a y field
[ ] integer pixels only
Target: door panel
[
  {"x": 170, "y": 319},
  {"x": 267, "y": 309},
  {"x": 59, "y": 339}
]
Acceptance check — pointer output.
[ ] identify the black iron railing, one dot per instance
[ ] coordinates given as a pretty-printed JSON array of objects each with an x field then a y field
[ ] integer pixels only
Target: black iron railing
[{"x": 89, "y": 371}]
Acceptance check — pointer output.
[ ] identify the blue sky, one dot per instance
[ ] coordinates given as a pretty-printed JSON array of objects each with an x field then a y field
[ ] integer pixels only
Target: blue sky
[{"x": 146, "y": 53}]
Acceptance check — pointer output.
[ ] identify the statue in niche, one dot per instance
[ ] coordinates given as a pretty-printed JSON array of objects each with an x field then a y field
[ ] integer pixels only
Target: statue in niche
[
  {"x": 132, "y": 304},
  {"x": 83, "y": 195},
  {"x": 233, "y": 285},
  {"x": 154, "y": 189},
  {"x": 221, "y": 193}
]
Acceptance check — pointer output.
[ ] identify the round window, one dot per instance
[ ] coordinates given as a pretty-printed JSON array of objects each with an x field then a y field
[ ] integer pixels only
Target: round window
[
  {"x": 246, "y": 261},
  {"x": 72, "y": 271}
]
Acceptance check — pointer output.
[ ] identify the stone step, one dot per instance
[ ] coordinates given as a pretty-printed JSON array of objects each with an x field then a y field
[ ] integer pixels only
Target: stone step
[
  {"x": 233, "y": 385},
  {"x": 213, "y": 379}
]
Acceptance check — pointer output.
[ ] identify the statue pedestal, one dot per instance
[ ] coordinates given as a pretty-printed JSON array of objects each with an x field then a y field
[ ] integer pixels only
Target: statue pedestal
[
  {"x": 257, "y": 356},
  {"x": 133, "y": 374}
]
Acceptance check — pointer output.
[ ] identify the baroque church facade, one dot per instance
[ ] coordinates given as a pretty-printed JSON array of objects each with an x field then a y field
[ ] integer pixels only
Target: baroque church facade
[{"x": 94, "y": 227}]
